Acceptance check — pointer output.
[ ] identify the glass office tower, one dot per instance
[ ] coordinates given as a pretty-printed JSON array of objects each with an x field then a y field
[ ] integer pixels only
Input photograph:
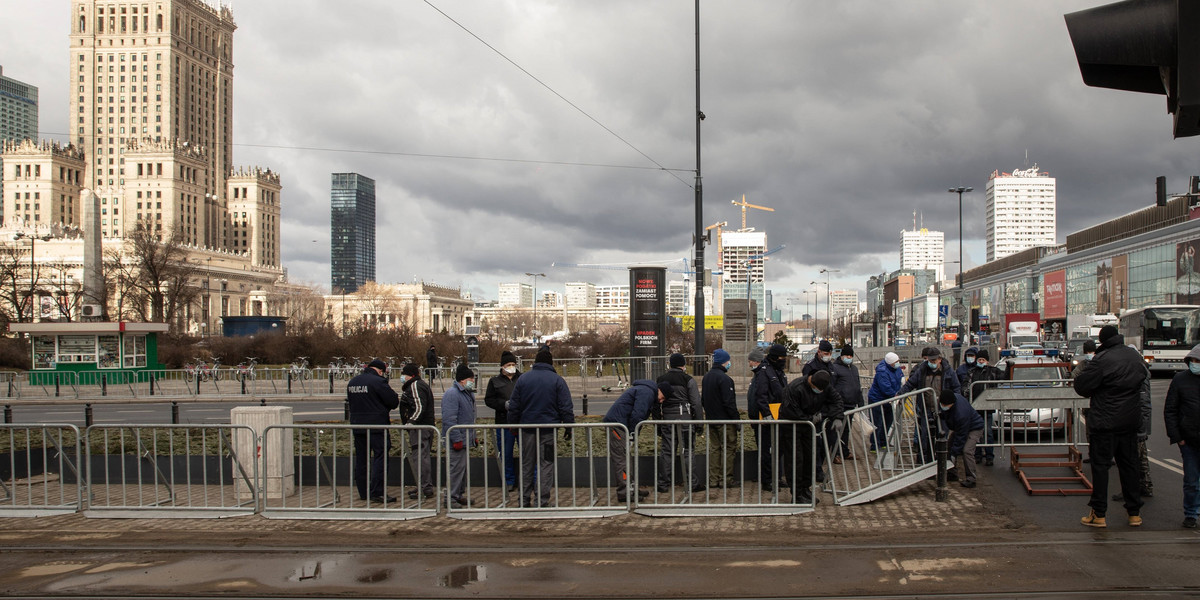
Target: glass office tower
[{"x": 352, "y": 224}]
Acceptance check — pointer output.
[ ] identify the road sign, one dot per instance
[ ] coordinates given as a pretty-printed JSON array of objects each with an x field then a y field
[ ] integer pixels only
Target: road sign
[
  {"x": 943, "y": 311},
  {"x": 959, "y": 312}
]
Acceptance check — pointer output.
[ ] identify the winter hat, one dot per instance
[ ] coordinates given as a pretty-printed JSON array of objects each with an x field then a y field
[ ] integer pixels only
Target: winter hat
[
  {"x": 1089, "y": 347},
  {"x": 777, "y": 350},
  {"x": 847, "y": 351},
  {"x": 756, "y": 355},
  {"x": 677, "y": 360},
  {"x": 1193, "y": 355},
  {"x": 378, "y": 364},
  {"x": 825, "y": 346},
  {"x": 507, "y": 357},
  {"x": 972, "y": 351},
  {"x": 1106, "y": 333},
  {"x": 983, "y": 355},
  {"x": 666, "y": 389},
  {"x": 720, "y": 356},
  {"x": 463, "y": 372},
  {"x": 411, "y": 369},
  {"x": 891, "y": 358},
  {"x": 820, "y": 379},
  {"x": 947, "y": 398},
  {"x": 544, "y": 356},
  {"x": 931, "y": 352}
]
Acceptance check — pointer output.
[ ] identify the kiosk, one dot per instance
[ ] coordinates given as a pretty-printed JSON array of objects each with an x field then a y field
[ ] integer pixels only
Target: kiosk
[{"x": 120, "y": 349}]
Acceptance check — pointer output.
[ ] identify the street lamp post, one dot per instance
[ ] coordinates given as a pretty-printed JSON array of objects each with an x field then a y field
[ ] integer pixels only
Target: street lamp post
[
  {"x": 829, "y": 300},
  {"x": 534, "y": 277},
  {"x": 960, "y": 190},
  {"x": 816, "y": 307},
  {"x": 698, "y": 263}
]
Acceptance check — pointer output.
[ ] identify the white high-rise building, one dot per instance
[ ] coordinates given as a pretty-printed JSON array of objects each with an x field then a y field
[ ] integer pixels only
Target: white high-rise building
[
  {"x": 1021, "y": 212},
  {"x": 515, "y": 294},
  {"x": 923, "y": 249},
  {"x": 612, "y": 296},
  {"x": 581, "y": 294},
  {"x": 842, "y": 302},
  {"x": 742, "y": 272}
]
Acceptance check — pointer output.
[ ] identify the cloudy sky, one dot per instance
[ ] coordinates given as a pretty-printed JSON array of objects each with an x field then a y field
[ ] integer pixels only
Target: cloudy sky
[{"x": 843, "y": 116}]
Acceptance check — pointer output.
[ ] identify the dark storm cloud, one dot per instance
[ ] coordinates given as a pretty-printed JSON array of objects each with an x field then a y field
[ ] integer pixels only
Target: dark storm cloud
[{"x": 845, "y": 117}]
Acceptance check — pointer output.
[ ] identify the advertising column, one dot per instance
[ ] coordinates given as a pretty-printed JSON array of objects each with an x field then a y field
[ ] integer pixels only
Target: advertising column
[{"x": 647, "y": 319}]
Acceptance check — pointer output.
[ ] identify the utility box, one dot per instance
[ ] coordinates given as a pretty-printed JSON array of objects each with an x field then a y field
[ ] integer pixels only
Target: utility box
[
  {"x": 741, "y": 333},
  {"x": 472, "y": 350},
  {"x": 279, "y": 479}
]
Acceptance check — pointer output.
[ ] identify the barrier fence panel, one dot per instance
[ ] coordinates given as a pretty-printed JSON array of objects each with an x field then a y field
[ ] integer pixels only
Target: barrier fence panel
[
  {"x": 39, "y": 475},
  {"x": 680, "y": 460},
  {"x": 187, "y": 471},
  {"x": 891, "y": 443},
  {"x": 313, "y": 471},
  {"x": 560, "y": 471}
]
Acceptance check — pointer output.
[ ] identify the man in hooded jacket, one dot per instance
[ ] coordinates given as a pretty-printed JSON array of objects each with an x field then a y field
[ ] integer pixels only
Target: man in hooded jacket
[
  {"x": 632, "y": 407},
  {"x": 1181, "y": 414},
  {"x": 682, "y": 403},
  {"x": 766, "y": 388}
]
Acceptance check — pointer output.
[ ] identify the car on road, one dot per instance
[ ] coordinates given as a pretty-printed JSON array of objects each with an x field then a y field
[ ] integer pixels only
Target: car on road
[{"x": 1044, "y": 368}]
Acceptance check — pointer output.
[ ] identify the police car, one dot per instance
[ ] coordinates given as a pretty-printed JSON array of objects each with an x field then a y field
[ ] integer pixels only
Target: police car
[{"x": 1031, "y": 370}]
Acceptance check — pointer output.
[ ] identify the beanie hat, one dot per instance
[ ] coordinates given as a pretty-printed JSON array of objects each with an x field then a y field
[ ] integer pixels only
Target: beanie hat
[
  {"x": 891, "y": 358},
  {"x": 666, "y": 389},
  {"x": 947, "y": 398},
  {"x": 820, "y": 379},
  {"x": 931, "y": 352},
  {"x": 411, "y": 369},
  {"x": 544, "y": 356},
  {"x": 677, "y": 360},
  {"x": 1089, "y": 347},
  {"x": 983, "y": 355},
  {"x": 847, "y": 351},
  {"x": 825, "y": 346},
  {"x": 756, "y": 355},
  {"x": 720, "y": 356},
  {"x": 507, "y": 357},
  {"x": 1106, "y": 333},
  {"x": 378, "y": 364},
  {"x": 463, "y": 372},
  {"x": 777, "y": 350}
]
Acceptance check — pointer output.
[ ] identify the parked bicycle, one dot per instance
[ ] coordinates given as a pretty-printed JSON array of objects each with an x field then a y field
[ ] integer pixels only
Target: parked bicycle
[
  {"x": 299, "y": 369},
  {"x": 199, "y": 369},
  {"x": 245, "y": 369}
]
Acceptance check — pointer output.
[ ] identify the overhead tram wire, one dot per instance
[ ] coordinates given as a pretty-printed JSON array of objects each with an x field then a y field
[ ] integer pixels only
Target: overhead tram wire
[{"x": 555, "y": 92}]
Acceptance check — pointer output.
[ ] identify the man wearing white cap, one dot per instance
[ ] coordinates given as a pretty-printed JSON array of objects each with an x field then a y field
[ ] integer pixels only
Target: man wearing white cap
[{"x": 888, "y": 379}]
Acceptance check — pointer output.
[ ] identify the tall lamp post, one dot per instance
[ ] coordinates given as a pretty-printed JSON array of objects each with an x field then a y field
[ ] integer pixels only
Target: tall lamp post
[
  {"x": 960, "y": 190},
  {"x": 533, "y": 277},
  {"x": 806, "y": 294},
  {"x": 829, "y": 300},
  {"x": 698, "y": 264},
  {"x": 816, "y": 307}
]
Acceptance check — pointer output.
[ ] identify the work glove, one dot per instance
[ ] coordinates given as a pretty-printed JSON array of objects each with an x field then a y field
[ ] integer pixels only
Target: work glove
[
  {"x": 458, "y": 445},
  {"x": 569, "y": 433}
]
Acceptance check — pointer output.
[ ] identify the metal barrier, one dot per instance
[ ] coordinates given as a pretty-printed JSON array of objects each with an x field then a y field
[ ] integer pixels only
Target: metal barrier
[
  {"x": 554, "y": 478},
  {"x": 682, "y": 485},
  {"x": 186, "y": 471},
  {"x": 309, "y": 471},
  {"x": 41, "y": 476},
  {"x": 896, "y": 452}
]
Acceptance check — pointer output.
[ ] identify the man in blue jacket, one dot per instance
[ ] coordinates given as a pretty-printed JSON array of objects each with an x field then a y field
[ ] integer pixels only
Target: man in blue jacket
[
  {"x": 541, "y": 397},
  {"x": 371, "y": 399},
  {"x": 458, "y": 408},
  {"x": 631, "y": 408},
  {"x": 720, "y": 404},
  {"x": 966, "y": 428},
  {"x": 964, "y": 370},
  {"x": 886, "y": 384}
]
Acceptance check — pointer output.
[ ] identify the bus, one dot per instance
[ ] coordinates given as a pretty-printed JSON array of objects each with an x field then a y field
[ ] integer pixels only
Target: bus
[{"x": 1163, "y": 334}]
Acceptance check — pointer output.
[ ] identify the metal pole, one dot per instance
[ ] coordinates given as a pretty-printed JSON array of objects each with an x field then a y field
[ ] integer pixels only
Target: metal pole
[
  {"x": 941, "y": 451},
  {"x": 698, "y": 266}
]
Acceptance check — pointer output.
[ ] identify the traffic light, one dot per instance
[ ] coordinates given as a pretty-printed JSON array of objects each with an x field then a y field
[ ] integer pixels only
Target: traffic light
[
  {"x": 1160, "y": 190},
  {"x": 1148, "y": 46}
]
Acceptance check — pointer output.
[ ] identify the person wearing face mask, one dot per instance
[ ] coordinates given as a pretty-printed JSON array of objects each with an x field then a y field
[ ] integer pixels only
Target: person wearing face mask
[
  {"x": 499, "y": 390},
  {"x": 968, "y": 363},
  {"x": 766, "y": 388},
  {"x": 886, "y": 384},
  {"x": 416, "y": 406},
  {"x": 983, "y": 371},
  {"x": 540, "y": 397},
  {"x": 932, "y": 372},
  {"x": 1089, "y": 351},
  {"x": 807, "y": 399},
  {"x": 1181, "y": 414},
  {"x": 458, "y": 408},
  {"x": 370, "y": 399},
  {"x": 720, "y": 404},
  {"x": 632, "y": 407},
  {"x": 849, "y": 386},
  {"x": 966, "y": 429},
  {"x": 682, "y": 403},
  {"x": 823, "y": 361}
]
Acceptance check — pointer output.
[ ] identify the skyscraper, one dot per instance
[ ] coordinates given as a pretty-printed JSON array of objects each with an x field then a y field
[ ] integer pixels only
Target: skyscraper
[
  {"x": 1021, "y": 212},
  {"x": 923, "y": 249},
  {"x": 740, "y": 271},
  {"x": 352, "y": 223},
  {"x": 18, "y": 116}
]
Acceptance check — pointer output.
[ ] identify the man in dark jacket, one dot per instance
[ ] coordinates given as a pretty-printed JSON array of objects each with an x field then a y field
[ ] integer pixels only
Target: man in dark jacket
[
  {"x": 720, "y": 404},
  {"x": 632, "y": 407},
  {"x": 968, "y": 363},
  {"x": 1113, "y": 381},
  {"x": 932, "y": 372},
  {"x": 766, "y": 388},
  {"x": 499, "y": 390},
  {"x": 371, "y": 399},
  {"x": 431, "y": 362},
  {"x": 1181, "y": 414},
  {"x": 983, "y": 371},
  {"x": 849, "y": 386},
  {"x": 682, "y": 403},
  {"x": 806, "y": 399},
  {"x": 416, "y": 408},
  {"x": 955, "y": 350},
  {"x": 540, "y": 397},
  {"x": 823, "y": 361},
  {"x": 966, "y": 429}
]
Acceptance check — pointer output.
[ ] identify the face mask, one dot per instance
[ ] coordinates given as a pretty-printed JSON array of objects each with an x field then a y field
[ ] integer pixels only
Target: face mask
[
  {"x": 1194, "y": 367},
  {"x": 1088, "y": 356},
  {"x": 826, "y": 357},
  {"x": 470, "y": 385},
  {"x": 932, "y": 365},
  {"x": 511, "y": 369},
  {"x": 815, "y": 390},
  {"x": 970, "y": 360},
  {"x": 847, "y": 360},
  {"x": 894, "y": 366},
  {"x": 943, "y": 408},
  {"x": 406, "y": 379},
  {"x": 981, "y": 364},
  {"x": 727, "y": 365}
]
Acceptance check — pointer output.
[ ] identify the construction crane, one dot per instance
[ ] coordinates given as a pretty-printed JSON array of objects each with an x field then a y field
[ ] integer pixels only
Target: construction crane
[
  {"x": 625, "y": 266},
  {"x": 746, "y": 205}
]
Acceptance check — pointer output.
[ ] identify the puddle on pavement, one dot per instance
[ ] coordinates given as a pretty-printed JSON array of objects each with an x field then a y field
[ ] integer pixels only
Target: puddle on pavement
[
  {"x": 375, "y": 576},
  {"x": 464, "y": 576}
]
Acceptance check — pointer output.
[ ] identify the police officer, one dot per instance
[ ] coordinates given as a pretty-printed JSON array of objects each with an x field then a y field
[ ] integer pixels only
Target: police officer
[{"x": 371, "y": 399}]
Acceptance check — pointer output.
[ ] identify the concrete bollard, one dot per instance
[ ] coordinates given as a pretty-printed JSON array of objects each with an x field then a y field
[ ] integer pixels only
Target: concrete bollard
[
  {"x": 174, "y": 412},
  {"x": 87, "y": 415},
  {"x": 152, "y": 384},
  {"x": 8, "y": 418},
  {"x": 941, "y": 452},
  {"x": 585, "y": 408}
]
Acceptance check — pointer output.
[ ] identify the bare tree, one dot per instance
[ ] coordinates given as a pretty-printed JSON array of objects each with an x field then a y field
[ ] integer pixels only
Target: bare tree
[
  {"x": 18, "y": 279},
  {"x": 155, "y": 277}
]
